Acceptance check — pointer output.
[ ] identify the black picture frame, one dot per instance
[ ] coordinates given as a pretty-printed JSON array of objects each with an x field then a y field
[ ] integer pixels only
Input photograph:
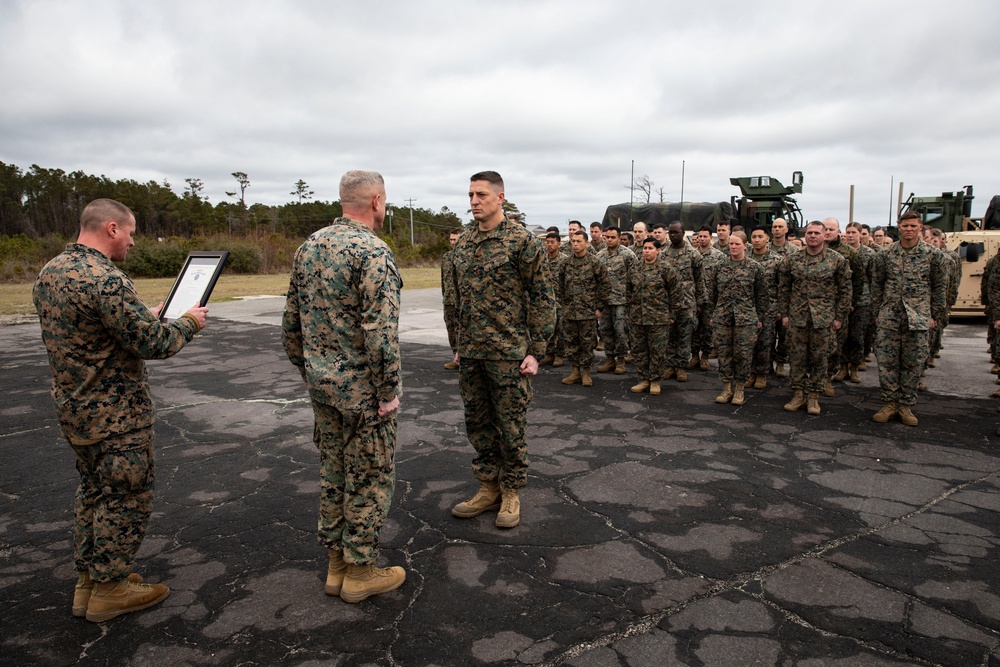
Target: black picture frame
[{"x": 194, "y": 283}]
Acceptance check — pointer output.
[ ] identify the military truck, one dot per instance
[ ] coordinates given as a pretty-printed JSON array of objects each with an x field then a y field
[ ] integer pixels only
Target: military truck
[
  {"x": 763, "y": 200},
  {"x": 975, "y": 239}
]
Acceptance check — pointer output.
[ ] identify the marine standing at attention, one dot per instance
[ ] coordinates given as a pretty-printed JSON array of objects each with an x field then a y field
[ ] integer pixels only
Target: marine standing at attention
[
  {"x": 506, "y": 313},
  {"x": 97, "y": 332},
  {"x": 341, "y": 330}
]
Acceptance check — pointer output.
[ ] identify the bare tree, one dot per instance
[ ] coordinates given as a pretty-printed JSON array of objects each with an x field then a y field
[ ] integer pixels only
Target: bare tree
[
  {"x": 642, "y": 188},
  {"x": 662, "y": 192}
]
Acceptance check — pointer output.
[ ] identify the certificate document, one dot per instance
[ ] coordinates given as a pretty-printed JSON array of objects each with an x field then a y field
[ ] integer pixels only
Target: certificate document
[{"x": 194, "y": 284}]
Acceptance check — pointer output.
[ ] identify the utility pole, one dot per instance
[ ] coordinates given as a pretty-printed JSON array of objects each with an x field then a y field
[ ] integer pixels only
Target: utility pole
[{"x": 410, "y": 204}]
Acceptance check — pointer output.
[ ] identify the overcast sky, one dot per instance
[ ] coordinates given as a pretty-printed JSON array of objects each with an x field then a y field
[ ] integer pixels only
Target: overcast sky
[{"x": 558, "y": 96}]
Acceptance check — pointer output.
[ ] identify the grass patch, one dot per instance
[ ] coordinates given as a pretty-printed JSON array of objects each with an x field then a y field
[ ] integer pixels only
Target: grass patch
[{"x": 15, "y": 299}]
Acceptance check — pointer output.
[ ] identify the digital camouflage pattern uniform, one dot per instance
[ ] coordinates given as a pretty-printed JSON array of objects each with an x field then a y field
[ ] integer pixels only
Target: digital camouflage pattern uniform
[
  {"x": 813, "y": 291},
  {"x": 701, "y": 340},
  {"x": 557, "y": 343},
  {"x": 989, "y": 296},
  {"x": 449, "y": 299},
  {"x": 780, "y": 347},
  {"x": 764, "y": 345},
  {"x": 739, "y": 295},
  {"x": 506, "y": 310},
  {"x": 909, "y": 289},
  {"x": 581, "y": 288},
  {"x": 654, "y": 293},
  {"x": 97, "y": 332},
  {"x": 861, "y": 317},
  {"x": 953, "y": 264},
  {"x": 613, "y": 324},
  {"x": 843, "y": 349},
  {"x": 687, "y": 265},
  {"x": 341, "y": 330}
]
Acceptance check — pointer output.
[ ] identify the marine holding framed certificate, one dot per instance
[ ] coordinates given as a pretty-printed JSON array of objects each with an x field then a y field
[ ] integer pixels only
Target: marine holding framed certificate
[{"x": 194, "y": 284}]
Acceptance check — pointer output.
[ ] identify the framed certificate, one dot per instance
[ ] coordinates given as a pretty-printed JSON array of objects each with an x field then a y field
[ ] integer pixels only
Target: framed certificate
[{"x": 194, "y": 284}]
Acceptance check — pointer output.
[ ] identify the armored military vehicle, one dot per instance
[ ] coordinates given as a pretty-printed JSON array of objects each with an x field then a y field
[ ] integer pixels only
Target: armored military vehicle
[{"x": 764, "y": 199}]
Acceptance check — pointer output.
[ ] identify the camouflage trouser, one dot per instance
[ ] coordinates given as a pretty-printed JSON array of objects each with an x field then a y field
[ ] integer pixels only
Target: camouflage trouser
[
  {"x": 679, "y": 348},
  {"x": 935, "y": 336},
  {"x": 901, "y": 355},
  {"x": 735, "y": 344},
  {"x": 780, "y": 345},
  {"x": 701, "y": 339},
  {"x": 556, "y": 345},
  {"x": 870, "y": 330},
  {"x": 579, "y": 341},
  {"x": 113, "y": 503},
  {"x": 451, "y": 324},
  {"x": 837, "y": 354},
  {"x": 496, "y": 398},
  {"x": 613, "y": 331},
  {"x": 357, "y": 478},
  {"x": 808, "y": 356},
  {"x": 763, "y": 347},
  {"x": 649, "y": 347},
  {"x": 854, "y": 348}
]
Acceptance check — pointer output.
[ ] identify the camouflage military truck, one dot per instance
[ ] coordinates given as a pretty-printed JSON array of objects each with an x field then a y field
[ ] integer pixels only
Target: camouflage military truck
[
  {"x": 975, "y": 239},
  {"x": 692, "y": 214}
]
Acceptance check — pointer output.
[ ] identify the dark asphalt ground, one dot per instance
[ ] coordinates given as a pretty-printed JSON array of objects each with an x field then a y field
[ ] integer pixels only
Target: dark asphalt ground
[{"x": 655, "y": 530}]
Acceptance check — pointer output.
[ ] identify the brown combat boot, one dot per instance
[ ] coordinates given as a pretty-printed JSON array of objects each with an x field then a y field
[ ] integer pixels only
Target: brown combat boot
[
  {"x": 812, "y": 403},
  {"x": 607, "y": 366},
  {"x": 682, "y": 375},
  {"x": 727, "y": 393},
  {"x": 547, "y": 360},
  {"x": 620, "y": 366},
  {"x": 669, "y": 373},
  {"x": 750, "y": 381},
  {"x": 931, "y": 363},
  {"x": 451, "y": 365},
  {"x": 336, "y": 569},
  {"x": 797, "y": 402},
  {"x": 363, "y": 581},
  {"x": 841, "y": 374},
  {"x": 862, "y": 367},
  {"x": 85, "y": 588},
  {"x": 640, "y": 388},
  {"x": 573, "y": 377},
  {"x": 487, "y": 498},
  {"x": 761, "y": 382},
  {"x": 906, "y": 415},
  {"x": 887, "y": 412},
  {"x": 557, "y": 362},
  {"x": 738, "y": 397},
  {"x": 114, "y": 598},
  {"x": 703, "y": 363},
  {"x": 852, "y": 374},
  {"x": 921, "y": 386},
  {"x": 510, "y": 511},
  {"x": 585, "y": 378},
  {"x": 779, "y": 370},
  {"x": 694, "y": 363},
  {"x": 654, "y": 387},
  {"x": 828, "y": 389}
]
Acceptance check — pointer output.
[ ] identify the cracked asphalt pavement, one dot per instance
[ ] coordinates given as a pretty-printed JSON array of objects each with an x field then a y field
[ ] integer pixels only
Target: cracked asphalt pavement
[{"x": 655, "y": 530}]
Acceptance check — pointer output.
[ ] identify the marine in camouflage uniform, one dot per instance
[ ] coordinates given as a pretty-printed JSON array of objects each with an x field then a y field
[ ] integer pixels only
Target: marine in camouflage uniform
[
  {"x": 97, "y": 332},
  {"x": 701, "y": 340},
  {"x": 843, "y": 349},
  {"x": 739, "y": 294},
  {"x": 687, "y": 265},
  {"x": 814, "y": 295},
  {"x": 555, "y": 350},
  {"x": 582, "y": 287},
  {"x": 764, "y": 345},
  {"x": 953, "y": 263},
  {"x": 780, "y": 347},
  {"x": 989, "y": 296},
  {"x": 617, "y": 262},
  {"x": 341, "y": 330},
  {"x": 909, "y": 292},
  {"x": 861, "y": 315},
  {"x": 448, "y": 296},
  {"x": 506, "y": 313},
  {"x": 654, "y": 292}
]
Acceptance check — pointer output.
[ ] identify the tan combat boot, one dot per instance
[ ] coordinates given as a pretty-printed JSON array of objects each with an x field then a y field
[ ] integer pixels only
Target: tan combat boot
[
  {"x": 853, "y": 376},
  {"x": 887, "y": 412},
  {"x": 750, "y": 381},
  {"x": 487, "y": 498},
  {"x": 761, "y": 382},
  {"x": 906, "y": 415},
  {"x": 363, "y": 581},
  {"x": 640, "y": 388},
  {"x": 654, "y": 387},
  {"x": 738, "y": 397},
  {"x": 828, "y": 389},
  {"x": 682, "y": 375},
  {"x": 812, "y": 403},
  {"x": 862, "y": 367},
  {"x": 921, "y": 386},
  {"x": 451, "y": 365},
  {"x": 931, "y": 363},
  {"x": 510, "y": 511},
  {"x": 607, "y": 366},
  {"x": 797, "y": 402},
  {"x": 727, "y": 393},
  {"x": 669, "y": 373},
  {"x": 779, "y": 370},
  {"x": 841, "y": 374},
  {"x": 585, "y": 378},
  {"x": 85, "y": 588},
  {"x": 547, "y": 360},
  {"x": 573, "y": 377},
  {"x": 620, "y": 366},
  {"x": 336, "y": 570},
  {"x": 694, "y": 363},
  {"x": 703, "y": 363},
  {"x": 557, "y": 362},
  {"x": 114, "y": 598}
]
